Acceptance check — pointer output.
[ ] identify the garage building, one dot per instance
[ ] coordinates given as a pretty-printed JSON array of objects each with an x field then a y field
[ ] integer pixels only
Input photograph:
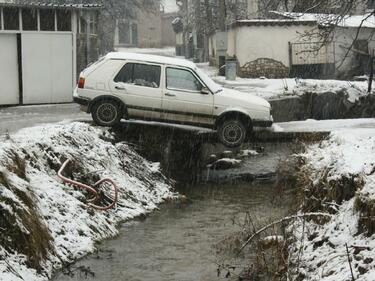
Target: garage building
[{"x": 42, "y": 48}]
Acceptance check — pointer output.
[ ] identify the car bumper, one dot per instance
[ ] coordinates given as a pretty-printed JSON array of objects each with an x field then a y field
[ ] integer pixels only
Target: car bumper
[
  {"x": 84, "y": 103},
  {"x": 262, "y": 123}
]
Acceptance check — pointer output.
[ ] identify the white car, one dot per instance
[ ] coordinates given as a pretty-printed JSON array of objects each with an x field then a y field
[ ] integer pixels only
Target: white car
[{"x": 148, "y": 87}]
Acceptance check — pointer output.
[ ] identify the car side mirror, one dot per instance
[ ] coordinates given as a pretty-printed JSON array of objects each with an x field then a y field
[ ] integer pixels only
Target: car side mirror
[{"x": 205, "y": 91}]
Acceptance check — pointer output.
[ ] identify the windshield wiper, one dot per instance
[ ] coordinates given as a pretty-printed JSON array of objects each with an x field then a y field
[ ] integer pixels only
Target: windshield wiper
[{"x": 218, "y": 91}]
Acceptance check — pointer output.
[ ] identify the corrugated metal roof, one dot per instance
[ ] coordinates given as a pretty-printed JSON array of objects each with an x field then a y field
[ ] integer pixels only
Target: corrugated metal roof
[{"x": 43, "y": 5}]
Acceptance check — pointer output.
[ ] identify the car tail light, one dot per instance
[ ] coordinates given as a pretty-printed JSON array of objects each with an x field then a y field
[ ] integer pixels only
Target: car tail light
[{"x": 81, "y": 83}]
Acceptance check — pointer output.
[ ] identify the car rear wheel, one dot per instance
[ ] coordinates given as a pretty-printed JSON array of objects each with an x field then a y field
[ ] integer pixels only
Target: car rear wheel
[
  {"x": 232, "y": 132},
  {"x": 107, "y": 113}
]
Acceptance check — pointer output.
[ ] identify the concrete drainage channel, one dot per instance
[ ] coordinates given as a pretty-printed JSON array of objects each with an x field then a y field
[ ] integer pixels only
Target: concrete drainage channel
[{"x": 191, "y": 239}]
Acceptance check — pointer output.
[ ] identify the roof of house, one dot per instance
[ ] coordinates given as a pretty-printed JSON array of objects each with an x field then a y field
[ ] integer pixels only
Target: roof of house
[
  {"x": 43, "y": 5},
  {"x": 169, "y": 6},
  {"x": 272, "y": 22},
  {"x": 366, "y": 20},
  {"x": 151, "y": 58}
]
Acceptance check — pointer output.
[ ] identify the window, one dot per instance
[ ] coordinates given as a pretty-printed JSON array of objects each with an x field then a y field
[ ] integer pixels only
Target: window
[
  {"x": 64, "y": 20},
  {"x": 47, "y": 20},
  {"x": 134, "y": 32},
  {"x": 140, "y": 74},
  {"x": 124, "y": 34},
  {"x": 126, "y": 74},
  {"x": 11, "y": 19},
  {"x": 371, "y": 4},
  {"x": 128, "y": 33},
  {"x": 93, "y": 24},
  {"x": 181, "y": 79},
  {"x": 29, "y": 19}
]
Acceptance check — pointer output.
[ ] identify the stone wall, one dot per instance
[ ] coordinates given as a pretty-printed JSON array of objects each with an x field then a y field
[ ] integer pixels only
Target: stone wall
[{"x": 264, "y": 67}]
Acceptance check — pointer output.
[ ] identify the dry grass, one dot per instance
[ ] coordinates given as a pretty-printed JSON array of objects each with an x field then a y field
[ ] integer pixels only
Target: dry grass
[{"x": 34, "y": 241}]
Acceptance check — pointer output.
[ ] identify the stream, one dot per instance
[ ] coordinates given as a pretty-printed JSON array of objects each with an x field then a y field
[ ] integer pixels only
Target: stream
[{"x": 177, "y": 242}]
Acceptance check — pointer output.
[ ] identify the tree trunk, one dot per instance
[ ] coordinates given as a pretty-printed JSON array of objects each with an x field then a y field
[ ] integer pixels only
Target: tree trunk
[{"x": 222, "y": 15}]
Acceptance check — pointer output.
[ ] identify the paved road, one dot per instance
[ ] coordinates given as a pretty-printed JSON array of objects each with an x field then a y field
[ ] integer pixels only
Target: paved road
[
  {"x": 15, "y": 118},
  {"x": 18, "y": 117}
]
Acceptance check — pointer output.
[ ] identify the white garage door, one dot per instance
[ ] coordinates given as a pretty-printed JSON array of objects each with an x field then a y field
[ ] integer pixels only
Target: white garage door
[
  {"x": 47, "y": 67},
  {"x": 9, "y": 86}
]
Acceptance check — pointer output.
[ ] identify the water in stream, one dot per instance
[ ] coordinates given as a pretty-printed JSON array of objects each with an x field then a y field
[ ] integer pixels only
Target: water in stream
[{"x": 176, "y": 242}]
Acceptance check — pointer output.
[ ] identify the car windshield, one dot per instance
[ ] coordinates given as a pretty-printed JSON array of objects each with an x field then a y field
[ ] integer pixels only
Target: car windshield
[{"x": 214, "y": 87}]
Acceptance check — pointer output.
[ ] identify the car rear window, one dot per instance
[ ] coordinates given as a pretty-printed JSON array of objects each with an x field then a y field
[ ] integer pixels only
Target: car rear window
[{"x": 140, "y": 74}]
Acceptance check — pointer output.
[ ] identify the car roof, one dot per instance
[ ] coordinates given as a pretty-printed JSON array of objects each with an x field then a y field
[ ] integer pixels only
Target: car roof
[{"x": 150, "y": 58}]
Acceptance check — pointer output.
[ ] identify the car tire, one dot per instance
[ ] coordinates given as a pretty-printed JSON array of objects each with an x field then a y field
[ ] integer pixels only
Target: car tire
[
  {"x": 232, "y": 132},
  {"x": 107, "y": 113}
]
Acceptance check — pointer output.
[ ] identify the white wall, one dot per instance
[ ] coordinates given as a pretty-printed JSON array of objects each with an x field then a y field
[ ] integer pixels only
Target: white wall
[{"x": 249, "y": 43}]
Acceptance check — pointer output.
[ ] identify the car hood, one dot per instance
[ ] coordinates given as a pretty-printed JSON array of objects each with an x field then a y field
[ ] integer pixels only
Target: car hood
[{"x": 234, "y": 97}]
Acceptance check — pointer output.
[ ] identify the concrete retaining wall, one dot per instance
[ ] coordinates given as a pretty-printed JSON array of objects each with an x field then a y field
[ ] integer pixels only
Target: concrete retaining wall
[{"x": 322, "y": 107}]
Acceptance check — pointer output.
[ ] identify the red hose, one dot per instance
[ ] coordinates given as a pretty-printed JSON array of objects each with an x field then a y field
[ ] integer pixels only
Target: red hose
[{"x": 96, "y": 195}]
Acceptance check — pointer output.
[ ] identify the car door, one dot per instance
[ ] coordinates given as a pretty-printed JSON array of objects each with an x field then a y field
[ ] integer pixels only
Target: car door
[
  {"x": 139, "y": 86},
  {"x": 186, "y": 99}
]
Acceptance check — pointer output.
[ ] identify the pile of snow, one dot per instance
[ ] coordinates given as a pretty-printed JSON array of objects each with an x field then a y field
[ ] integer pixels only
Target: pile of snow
[
  {"x": 30, "y": 188},
  {"x": 279, "y": 88},
  {"x": 319, "y": 251}
]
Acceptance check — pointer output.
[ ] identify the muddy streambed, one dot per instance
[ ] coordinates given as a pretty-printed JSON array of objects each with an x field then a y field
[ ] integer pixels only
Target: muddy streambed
[{"x": 179, "y": 241}]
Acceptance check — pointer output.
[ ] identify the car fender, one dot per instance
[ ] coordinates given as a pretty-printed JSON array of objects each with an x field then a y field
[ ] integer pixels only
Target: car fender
[
  {"x": 230, "y": 111},
  {"x": 107, "y": 97}
]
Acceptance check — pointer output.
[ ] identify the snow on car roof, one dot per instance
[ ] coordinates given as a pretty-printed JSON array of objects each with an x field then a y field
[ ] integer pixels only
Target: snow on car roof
[{"x": 151, "y": 58}]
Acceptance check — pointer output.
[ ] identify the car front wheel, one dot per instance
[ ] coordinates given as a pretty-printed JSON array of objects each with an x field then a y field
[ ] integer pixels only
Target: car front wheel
[
  {"x": 106, "y": 113},
  {"x": 232, "y": 132}
]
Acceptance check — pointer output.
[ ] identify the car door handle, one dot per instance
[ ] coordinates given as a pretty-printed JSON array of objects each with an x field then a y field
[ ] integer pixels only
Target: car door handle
[
  {"x": 170, "y": 95},
  {"x": 119, "y": 88}
]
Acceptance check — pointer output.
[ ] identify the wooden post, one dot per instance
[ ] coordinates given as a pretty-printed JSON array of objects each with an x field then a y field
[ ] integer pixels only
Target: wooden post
[{"x": 371, "y": 78}]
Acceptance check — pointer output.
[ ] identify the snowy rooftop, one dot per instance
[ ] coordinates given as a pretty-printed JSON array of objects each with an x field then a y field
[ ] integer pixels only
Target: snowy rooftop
[
  {"x": 150, "y": 58},
  {"x": 273, "y": 22},
  {"x": 366, "y": 20},
  {"x": 169, "y": 6},
  {"x": 39, "y": 4}
]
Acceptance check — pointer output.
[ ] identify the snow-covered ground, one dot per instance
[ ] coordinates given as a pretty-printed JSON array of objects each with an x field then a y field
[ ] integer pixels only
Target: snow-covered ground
[
  {"x": 280, "y": 88},
  {"x": 319, "y": 251},
  {"x": 312, "y": 125},
  {"x": 31, "y": 190}
]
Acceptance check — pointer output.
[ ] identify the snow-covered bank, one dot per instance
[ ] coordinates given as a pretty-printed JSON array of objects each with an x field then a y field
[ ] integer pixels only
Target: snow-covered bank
[
  {"x": 45, "y": 223},
  {"x": 338, "y": 178},
  {"x": 280, "y": 88}
]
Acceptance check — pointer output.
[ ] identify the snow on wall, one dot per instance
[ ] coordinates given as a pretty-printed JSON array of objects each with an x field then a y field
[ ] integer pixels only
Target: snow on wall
[
  {"x": 29, "y": 161},
  {"x": 318, "y": 251}
]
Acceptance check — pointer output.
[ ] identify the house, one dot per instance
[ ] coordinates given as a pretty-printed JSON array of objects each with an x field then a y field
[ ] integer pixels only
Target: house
[
  {"x": 147, "y": 29},
  {"x": 263, "y": 47},
  {"x": 43, "y": 47},
  {"x": 292, "y": 46},
  {"x": 352, "y": 41}
]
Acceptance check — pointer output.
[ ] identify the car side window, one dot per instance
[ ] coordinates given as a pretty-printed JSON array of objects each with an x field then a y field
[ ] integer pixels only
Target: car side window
[
  {"x": 181, "y": 79},
  {"x": 140, "y": 74}
]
